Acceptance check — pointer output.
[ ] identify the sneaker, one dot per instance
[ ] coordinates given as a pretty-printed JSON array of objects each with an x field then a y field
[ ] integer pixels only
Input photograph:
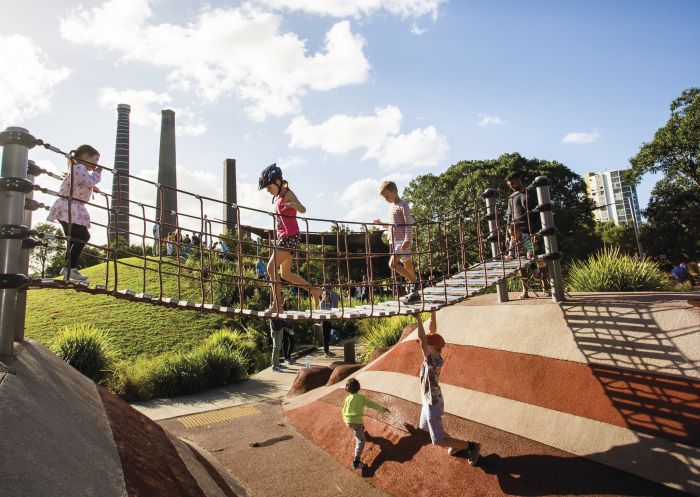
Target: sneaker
[
  {"x": 412, "y": 298},
  {"x": 330, "y": 354},
  {"x": 75, "y": 275},
  {"x": 357, "y": 464},
  {"x": 290, "y": 362},
  {"x": 278, "y": 368},
  {"x": 473, "y": 453}
]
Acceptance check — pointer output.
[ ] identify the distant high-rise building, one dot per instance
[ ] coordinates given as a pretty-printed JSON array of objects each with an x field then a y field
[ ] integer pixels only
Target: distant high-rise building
[
  {"x": 119, "y": 210},
  {"x": 166, "y": 198},
  {"x": 619, "y": 198}
]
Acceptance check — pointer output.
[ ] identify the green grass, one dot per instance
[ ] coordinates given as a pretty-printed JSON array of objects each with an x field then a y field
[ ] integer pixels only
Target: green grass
[{"x": 133, "y": 329}]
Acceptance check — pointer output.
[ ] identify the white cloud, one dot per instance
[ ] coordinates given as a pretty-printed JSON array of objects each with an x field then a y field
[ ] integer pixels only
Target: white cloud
[
  {"x": 290, "y": 162},
  {"x": 240, "y": 50},
  {"x": 27, "y": 80},
  {"x": 581, "y": 137},
  {"x": 417, "y": 30},
  {"x": 204, "y": 184},
  {"x": 357, "y": 8},
  {"x": 146, "y": 106},
  {"x": 486, "y": 120},
  {"x": 363, "y": 201},
  {"x": 379, "y": 135}
]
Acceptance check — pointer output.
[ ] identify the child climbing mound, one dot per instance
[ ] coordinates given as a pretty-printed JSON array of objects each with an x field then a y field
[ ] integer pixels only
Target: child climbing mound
[
  {"x": 433, "y": 404},
  {"x": 353, "y": 413},
  {"x": 288, "y": 239}
]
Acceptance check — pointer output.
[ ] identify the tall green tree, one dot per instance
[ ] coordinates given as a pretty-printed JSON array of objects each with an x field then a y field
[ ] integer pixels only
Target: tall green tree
[
  {"x": 673, "y": 221},
  {"x": 675, "y": 149},
  {"x": 612, "y": 235},
  {"x": 459, "y": 190},
  {"x": 46, "y": 260}
]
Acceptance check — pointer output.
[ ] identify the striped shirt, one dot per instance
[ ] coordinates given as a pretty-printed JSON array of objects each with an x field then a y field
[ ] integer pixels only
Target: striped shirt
[{"x": 401, "y": 221}]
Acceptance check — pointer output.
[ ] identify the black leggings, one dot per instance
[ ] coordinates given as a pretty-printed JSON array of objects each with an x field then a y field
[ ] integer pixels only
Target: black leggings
[
  {"x": 326, "y": 335},
  {"x": 79, "y": 237},
  {"x": 287, "y": 345}
]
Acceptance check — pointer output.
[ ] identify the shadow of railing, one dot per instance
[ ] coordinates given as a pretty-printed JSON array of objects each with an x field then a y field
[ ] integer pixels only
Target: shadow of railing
[{"x": 650, "y": 379}]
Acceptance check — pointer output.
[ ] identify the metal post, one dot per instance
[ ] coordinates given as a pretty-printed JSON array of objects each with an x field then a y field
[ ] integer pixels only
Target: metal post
[
  {"x": 24, "y": 268},
  {"x": 13, "y": 174},
  {"x": 491, "y": 214},
  {"x": 549, "y": 233},
  {"x": 636, "y": 228}
]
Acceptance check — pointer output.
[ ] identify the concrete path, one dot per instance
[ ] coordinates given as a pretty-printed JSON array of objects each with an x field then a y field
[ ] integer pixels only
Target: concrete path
[{"x": 264, "y": 385}]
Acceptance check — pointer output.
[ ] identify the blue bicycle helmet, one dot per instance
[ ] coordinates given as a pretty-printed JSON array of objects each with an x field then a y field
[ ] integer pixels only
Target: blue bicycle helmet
[{"x": 269, "y": 175}]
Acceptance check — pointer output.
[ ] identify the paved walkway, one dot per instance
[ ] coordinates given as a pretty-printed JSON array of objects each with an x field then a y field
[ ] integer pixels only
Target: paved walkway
[{"x": 264, "y": 385}]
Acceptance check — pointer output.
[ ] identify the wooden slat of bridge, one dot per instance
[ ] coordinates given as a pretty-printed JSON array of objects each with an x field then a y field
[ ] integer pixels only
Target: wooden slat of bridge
[{"x": 447, "y": 292}]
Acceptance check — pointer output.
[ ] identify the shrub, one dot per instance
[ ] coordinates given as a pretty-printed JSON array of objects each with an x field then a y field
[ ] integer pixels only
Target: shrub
[
  {"x": 610, "y": 271},
  {"x": 245, "y": 344},
  {"x": 219, "y": 361},
  {"x": 86, "y": 348},
  {"x": 381, "y": 333}
]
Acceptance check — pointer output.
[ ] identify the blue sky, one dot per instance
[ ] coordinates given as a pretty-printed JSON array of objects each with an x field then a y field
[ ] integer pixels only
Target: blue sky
[{"x": 343, "y": 94}]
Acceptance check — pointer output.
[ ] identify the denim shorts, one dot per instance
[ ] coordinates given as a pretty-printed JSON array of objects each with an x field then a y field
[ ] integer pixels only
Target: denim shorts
[{"x": 431, "y": 420}]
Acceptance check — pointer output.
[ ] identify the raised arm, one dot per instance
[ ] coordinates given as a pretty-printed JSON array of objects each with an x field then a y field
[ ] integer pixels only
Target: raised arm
[
  {"x": 432, "y": 328},
  {"x": 421, "y": 334}
]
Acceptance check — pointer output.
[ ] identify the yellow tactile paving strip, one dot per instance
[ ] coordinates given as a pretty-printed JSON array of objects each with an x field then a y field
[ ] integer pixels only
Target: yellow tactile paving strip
[{"x": 211, "y": 417}]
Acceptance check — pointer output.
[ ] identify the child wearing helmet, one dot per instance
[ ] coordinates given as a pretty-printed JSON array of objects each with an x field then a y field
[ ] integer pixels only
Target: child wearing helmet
[
  {"x": 431, "y": 395},
  {"x": 288, "y": 239}
]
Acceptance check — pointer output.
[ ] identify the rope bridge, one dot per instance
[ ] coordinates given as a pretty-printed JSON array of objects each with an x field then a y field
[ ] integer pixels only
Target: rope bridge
[{"x": 455, "y": 257}]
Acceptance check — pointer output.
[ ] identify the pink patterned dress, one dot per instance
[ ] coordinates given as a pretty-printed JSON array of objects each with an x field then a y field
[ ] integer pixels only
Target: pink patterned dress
[{"x": 82, "y": 191}]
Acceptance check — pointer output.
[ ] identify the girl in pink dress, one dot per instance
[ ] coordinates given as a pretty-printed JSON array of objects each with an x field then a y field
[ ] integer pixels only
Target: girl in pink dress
[
  {"x": 288, "y": 239},
  {"x": 84, "y": 174}
]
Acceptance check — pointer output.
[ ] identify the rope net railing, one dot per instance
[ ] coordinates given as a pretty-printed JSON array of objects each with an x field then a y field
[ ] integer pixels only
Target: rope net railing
[{"x": 215, "y": 270}]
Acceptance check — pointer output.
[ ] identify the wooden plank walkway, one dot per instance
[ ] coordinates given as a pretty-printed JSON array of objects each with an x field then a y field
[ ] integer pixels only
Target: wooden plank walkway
[{"x": 452, "y": 290}]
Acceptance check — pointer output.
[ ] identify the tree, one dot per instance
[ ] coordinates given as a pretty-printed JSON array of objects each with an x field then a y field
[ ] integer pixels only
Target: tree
[
  {"x": 42, "y": 257},
  {"x": 459, "y": 190},
  {"x": 672, "y": 227},
  {"x": 674, "y": 150},
  {"x": 612, "y": 235}
]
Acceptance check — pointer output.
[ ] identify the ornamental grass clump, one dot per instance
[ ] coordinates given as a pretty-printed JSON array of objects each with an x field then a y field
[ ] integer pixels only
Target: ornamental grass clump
[
  {"x": 252, "y": 357},
  {"x": 381, "y": 333},
  {"x": 609, "y": 270},
  {"x": 86, "y": 348}
]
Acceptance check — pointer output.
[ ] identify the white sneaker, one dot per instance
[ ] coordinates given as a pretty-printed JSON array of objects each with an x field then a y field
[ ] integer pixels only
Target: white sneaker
[{"x": 75, "y": 275}]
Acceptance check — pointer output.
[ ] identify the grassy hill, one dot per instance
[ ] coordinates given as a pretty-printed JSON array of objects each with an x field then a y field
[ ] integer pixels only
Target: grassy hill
[{"x": 135, "y": 329}]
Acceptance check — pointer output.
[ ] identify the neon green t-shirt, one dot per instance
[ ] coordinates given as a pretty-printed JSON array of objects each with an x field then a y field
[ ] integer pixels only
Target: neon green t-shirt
[{"x": 354, "y": 408}]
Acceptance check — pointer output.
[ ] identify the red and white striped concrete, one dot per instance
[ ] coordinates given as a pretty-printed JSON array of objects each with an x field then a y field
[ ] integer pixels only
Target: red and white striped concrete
[{"x": 612, "y": 379}]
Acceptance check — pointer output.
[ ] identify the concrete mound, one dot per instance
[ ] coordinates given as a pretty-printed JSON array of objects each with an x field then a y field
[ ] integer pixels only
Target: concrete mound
[
  {"x": 63, "y": 435},
  {"x": 598, "y": 395}
]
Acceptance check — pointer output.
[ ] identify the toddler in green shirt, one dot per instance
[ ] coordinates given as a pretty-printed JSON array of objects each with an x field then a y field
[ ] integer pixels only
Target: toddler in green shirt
[{"x": 353, "y": 412}]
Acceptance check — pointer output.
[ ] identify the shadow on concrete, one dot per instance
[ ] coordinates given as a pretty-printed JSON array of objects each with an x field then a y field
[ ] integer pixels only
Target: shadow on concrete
[
  {"x": 539, "y": 474},
  {"x": 643, "y": 371},
  {"x": 403, "y": 450},
  {"x": 647, "y": 377},
  {"x": 271, "y": 441}
]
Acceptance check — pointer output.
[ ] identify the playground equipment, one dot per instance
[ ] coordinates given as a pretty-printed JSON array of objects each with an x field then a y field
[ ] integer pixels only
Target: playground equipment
[{"x": 449, "y": 253}]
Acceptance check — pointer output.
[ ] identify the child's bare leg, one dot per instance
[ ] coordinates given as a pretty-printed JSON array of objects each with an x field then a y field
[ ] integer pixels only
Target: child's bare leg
[
  {"x": 453, "y": 444},
  {"x": 405, "y": 269},
  {"x": 523, "y": 281},
  {"x": 275, "y": 288},
  {"x": 287, "y": 275}
]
